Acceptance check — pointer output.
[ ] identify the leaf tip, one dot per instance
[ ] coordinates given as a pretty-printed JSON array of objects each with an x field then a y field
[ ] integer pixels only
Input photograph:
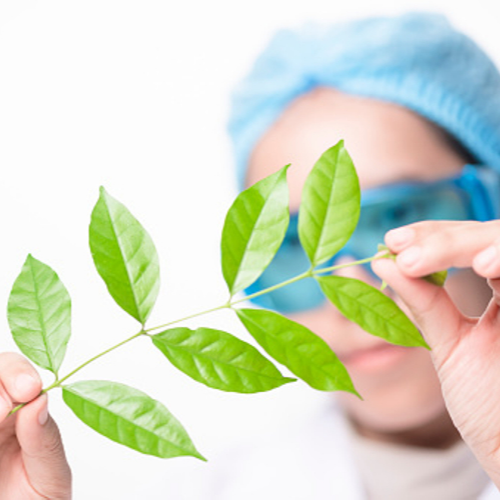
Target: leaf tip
[
  {"x": 103, "y": 194},
  {"x": 437, "y": 278},
  {"x": 417, "y": 342},
  {"x": 357, "y": 394}
]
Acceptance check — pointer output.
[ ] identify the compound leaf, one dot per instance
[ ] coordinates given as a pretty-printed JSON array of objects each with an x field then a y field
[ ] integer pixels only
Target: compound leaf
[
  {"x": 330, "y": 205},
  {"x": 254, "y": 229},
  {"x": 39, "y": 314},
  {"x": 125, "y": 257},
  {"x": 372, "y": 310},
  {"x": 129, "y": 417},
  {"x": 219, "y": 360},
  {"x": 298, "y": 348}
]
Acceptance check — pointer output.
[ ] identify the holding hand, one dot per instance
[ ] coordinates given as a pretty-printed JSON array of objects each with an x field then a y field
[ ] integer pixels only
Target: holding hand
[
  {"x": 32, "y": 461},
  {"x": 465, "y": 350}
]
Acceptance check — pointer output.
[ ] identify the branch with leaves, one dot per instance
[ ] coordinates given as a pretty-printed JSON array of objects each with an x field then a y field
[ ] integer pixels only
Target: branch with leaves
[{"x": 39, "y": 307}]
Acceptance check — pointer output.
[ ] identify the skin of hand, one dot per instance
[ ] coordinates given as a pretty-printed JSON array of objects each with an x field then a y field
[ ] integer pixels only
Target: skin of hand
[
  {"x": 33, "y": 465},
  {"x": 465, "y": 350}
]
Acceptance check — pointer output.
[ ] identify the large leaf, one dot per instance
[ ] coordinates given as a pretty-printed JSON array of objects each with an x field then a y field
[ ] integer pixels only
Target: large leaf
[
  {"x": 39, "y": 314},
  {"x": 372, "y": 310},
  {"x": 219, "y": 360},
  {"x": 129, "y": 417},
  {"x": 124, "y": 256},
  {"x": 330, "y": 205},
  {"x": 253, "y": 231},
  {"x": 298, "y": 348}
]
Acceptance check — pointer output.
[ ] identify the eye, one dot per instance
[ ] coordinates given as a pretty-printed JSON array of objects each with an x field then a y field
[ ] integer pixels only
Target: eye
[
  {"x": 292, "y": 234},
  {"x": 399, "y": 215},
  {"x": 291, "y": 240}
]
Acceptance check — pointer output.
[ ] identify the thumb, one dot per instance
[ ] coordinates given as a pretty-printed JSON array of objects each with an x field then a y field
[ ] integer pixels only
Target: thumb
[
  {"x": 43, "y": 454},
  {"x": 431, "y": 307}
]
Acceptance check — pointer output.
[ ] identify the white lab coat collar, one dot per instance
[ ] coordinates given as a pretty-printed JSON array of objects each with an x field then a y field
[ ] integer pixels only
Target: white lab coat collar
[{"x": 311, "y": 461}]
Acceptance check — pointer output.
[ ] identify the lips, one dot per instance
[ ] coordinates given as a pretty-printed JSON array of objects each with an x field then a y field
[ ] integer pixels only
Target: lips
[{"x": 374, "y": 358}]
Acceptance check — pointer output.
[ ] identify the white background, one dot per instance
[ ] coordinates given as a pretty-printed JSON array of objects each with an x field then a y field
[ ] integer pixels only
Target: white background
[{"x": 134, "y": 95}]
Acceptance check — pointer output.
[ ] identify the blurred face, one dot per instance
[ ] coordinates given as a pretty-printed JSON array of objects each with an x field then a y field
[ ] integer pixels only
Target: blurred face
[{"x": 388, "y": 144}]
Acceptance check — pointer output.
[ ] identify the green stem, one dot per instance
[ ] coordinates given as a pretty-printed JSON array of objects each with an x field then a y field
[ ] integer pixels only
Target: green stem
[
  {"x": 299, "y": 277},
  {"x": 308, "y": 274},
  {"x": 191, "y": 316},
  {"x": 58, "y": 382},
  {"x": 230, "y": 304},
  {"x": 349, "y": 264},
  {"x": 83, "y": 365}
]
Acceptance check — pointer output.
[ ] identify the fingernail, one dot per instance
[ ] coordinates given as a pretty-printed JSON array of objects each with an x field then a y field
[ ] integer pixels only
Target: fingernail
[
  {"x": 43, "y": 416},
  {"x": 410, "y": 256},
  {"x": 399, "y": 236},
  {"x": 486, "y": 257},
  {"x": 25, "y": 384}
]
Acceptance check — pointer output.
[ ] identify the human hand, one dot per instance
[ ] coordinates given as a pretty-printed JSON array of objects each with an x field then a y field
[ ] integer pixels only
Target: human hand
[
  {"x": 465, "y": 350},
  {"x": 32, "y": 461}
]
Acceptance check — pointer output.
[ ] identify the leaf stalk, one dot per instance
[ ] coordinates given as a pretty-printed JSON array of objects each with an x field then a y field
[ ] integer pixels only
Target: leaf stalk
[
  {"x": 228, "y": 305},
  {"x": 58, "y": 382}
]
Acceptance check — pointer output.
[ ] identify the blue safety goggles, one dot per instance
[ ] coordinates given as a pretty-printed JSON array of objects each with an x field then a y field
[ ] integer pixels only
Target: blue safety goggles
[{"x": 472, "y": 195}]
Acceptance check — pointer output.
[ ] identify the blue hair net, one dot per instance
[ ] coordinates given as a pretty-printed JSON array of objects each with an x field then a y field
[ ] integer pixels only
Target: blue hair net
[{"x": 417, "y": 60}]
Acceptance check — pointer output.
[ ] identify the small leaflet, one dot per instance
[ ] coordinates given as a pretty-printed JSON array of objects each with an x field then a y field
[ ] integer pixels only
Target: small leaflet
[
  {"x": 39, "y": 314},
  {"x": 129, "y": 417},
  {"x": 330, "y": 205},
  {"x": 372, "y": 310},
  {"x": 219, "y": 360},
  {"x": 304, "y": 353},
  {"x": 125, "y": 257},
  {"x": 253, "y": 231}
]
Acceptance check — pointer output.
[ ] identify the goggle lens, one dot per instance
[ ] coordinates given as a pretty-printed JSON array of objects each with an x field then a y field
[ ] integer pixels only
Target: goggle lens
[{"x": 382, "y": 209}]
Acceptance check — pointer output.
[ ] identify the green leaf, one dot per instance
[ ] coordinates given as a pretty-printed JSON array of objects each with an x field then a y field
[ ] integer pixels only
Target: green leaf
[
  {"x": 39, "y": 314},
  {"x": 124, "y": 256},
  {"x": 253, "y": 231},
  {"x": 438, "y": 278},
  {"x": 298, "y": 348},
  {"x": 219, "y": 360},
  {"x": 371, "y": 310},
  {"x": 330, "y": 205},
  {"x": 129, "y": 417}
]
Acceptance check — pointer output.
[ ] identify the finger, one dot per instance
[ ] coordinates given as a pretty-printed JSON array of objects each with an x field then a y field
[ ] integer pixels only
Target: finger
[
  {"x": 43, "y": 453},
  {"x": 427, "y": 247},
  {"x": 19, "y": 381},
  {"x": 432, "y": 309},
  {"x": 494, "y": 284},
  {"x": 487, "y": 262}
]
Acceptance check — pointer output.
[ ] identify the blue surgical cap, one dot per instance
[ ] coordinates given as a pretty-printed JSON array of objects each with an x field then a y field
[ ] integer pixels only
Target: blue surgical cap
[{"x": 417, "y": 60}]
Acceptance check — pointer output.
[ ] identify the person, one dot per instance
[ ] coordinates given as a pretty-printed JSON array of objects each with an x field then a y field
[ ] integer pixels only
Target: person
[{"x": 418, "y": 105}]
